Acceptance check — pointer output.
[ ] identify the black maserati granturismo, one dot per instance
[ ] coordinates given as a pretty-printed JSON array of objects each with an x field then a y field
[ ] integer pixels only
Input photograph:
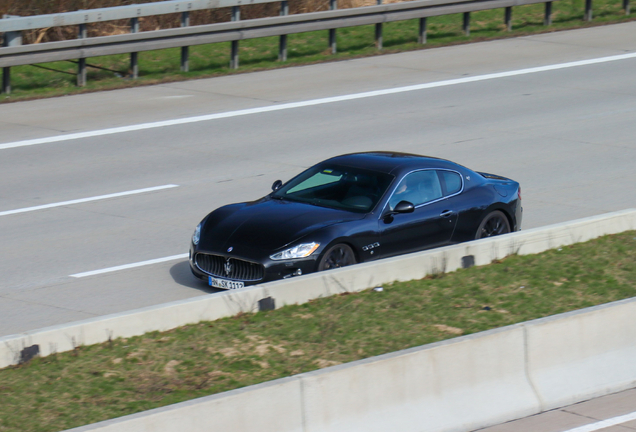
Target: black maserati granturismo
[{"x": 350, "y": 209}]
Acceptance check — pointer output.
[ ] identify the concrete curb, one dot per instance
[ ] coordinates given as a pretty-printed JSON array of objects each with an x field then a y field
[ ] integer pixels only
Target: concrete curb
[
  {"x": 66, "y": 337},
  {"x": 419, "y": 265},
  {"x": 167, "y": 316}
]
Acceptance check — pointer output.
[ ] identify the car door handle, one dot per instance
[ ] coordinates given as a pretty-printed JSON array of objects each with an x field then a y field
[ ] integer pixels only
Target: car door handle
[{"x": 446, "y": 213}]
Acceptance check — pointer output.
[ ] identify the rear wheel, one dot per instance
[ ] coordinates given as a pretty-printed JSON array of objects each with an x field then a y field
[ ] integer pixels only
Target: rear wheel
[
  {"x": 340, "y": 255},
  {"x": 496, "y": 223}
]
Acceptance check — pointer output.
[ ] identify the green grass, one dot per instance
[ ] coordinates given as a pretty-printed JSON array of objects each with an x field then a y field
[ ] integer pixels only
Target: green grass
[
  {"x": 125, "y": 376},
  {"x": 258, "y": 54}
]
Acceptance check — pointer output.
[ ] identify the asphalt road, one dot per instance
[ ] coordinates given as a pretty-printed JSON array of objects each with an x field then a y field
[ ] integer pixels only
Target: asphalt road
[
  {"x": 567, "y": 134},
  {"x": 611, "y": 413}
]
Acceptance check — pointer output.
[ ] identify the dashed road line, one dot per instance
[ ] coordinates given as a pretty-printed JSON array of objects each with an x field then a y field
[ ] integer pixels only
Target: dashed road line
[
  {"x": 84, "y": 200},
  {"x": 129, "y": 266}
]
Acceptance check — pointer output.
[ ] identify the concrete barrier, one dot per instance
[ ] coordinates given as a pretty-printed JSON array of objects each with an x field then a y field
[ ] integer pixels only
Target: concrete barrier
[
  {"x": 457, "y": 385},
  {"x": 269, "y": 407},
  {"x": 304, "y": 288},
  {"x": 583, "y": 354}
]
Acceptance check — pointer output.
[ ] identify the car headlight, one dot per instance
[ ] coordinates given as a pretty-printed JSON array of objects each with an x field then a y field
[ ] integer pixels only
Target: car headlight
[
  {"x": 197, "y": 235},
  {"x": 299, "y": 251}
]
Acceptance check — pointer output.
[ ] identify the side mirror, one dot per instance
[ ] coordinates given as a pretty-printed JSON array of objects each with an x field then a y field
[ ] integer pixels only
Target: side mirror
[
  {"x": 277, "y": 184},
  {"x": 401, "y": 207},
  {"x": 404, "y": 207}
]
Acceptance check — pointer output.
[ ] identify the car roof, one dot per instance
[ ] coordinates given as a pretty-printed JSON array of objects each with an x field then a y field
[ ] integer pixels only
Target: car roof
[{"x": 392, "y": 162}]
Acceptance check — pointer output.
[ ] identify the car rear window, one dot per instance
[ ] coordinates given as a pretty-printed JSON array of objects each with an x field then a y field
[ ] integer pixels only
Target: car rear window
[{"x": 453, "y": 181}]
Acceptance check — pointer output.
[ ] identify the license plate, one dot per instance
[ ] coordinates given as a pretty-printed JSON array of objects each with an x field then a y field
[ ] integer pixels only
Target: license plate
[{"x": 225, "y": 284}]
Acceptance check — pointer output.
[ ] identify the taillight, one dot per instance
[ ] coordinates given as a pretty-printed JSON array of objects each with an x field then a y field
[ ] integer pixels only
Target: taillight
[{"x": 519, "y": 193}]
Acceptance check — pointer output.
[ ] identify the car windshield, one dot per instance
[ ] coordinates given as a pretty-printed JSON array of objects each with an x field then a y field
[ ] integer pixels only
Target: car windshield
[{"x": 344, "y": 188}]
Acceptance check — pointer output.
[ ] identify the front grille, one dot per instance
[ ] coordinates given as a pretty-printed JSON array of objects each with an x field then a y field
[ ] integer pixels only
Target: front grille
[{"x": 229, "y": 268}]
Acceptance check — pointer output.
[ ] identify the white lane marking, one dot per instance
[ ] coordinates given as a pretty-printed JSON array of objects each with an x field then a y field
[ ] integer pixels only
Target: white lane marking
[
  {"x": 83, "y": 200},
  {"x": 129, "y": 266},
  {"x": 605, "y": 423},
  {"x": 173, "y": 97},
  {"x": 312, "y": 102}
]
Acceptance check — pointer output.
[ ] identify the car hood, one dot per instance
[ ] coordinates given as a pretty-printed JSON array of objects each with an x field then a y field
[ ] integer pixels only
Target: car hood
[{"x": 267, "y": 225}]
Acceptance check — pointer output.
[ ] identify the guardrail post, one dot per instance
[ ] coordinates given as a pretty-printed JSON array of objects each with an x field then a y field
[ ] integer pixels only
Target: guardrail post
[
  {"x": 333, "y": 5},
  {"x": 626, "y": 6},
  {"x": 547, "y": 16},
  {"x": 234, "y": 54},
  {"x": 81, "y": 64},
  {"x": 466, "y": 23},
  {"x": 185, "y": 54},
  {"x": 421, "y": 35},
  {"x": 9, "y": 39},
  {"x": 508, "y": 18},
  {"x": 378, "y": 31},
  {"x": 282, "y": 45},
  {"x": 588, "y": 10},
  {"x": 6, "y": 80},
  {"x": 134, "y": 66}
]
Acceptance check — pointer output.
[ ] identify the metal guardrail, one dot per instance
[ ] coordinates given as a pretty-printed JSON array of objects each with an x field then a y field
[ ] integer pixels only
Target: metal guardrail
[
  {"x": 14, "y": 53},
  {"x": 12, "y": 26},
  {"x": 117, "y": 13}
]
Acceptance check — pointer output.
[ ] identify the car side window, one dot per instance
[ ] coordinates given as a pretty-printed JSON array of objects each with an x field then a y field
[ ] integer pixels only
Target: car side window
[
  {"x": 452, "y": 180},
  {"x": 418, "y": 187}
]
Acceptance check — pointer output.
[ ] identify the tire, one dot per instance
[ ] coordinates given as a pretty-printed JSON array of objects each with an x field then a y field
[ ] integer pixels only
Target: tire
[
  {"x": 496, "y": 223},
  {"x": 340, "y": 255}
]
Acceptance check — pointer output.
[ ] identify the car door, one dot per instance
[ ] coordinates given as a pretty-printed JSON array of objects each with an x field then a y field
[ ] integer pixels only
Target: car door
[{"x": 433, "y": 220}]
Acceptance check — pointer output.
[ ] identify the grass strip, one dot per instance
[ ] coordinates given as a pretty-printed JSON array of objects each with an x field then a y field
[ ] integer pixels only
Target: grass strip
[
  {"x": 126, "y": 376},
  {"x": 30, "y": 82}
]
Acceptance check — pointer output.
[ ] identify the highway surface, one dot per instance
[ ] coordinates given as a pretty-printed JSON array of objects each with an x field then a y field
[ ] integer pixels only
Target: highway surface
[
  {"x": 611, "y": 413},
  {"x": 74, "y": 192}
]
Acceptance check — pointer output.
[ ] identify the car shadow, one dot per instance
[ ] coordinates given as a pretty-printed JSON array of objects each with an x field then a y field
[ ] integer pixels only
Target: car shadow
[{"x": 182, "y": 275}]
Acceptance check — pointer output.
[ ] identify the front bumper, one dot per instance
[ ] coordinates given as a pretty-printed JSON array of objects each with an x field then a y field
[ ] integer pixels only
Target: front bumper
[{"x": 271, "y": 270}]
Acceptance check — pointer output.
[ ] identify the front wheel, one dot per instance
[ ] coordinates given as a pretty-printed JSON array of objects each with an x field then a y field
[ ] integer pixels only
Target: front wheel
[
  {"x": 496, "y": 223},
  {"x": 337, "y": 256}
]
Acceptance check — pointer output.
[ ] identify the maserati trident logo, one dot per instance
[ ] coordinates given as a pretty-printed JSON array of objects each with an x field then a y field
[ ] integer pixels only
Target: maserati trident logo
[
  {"x": 230, "y": 249},
  {"x": 227, "y": 267}
]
